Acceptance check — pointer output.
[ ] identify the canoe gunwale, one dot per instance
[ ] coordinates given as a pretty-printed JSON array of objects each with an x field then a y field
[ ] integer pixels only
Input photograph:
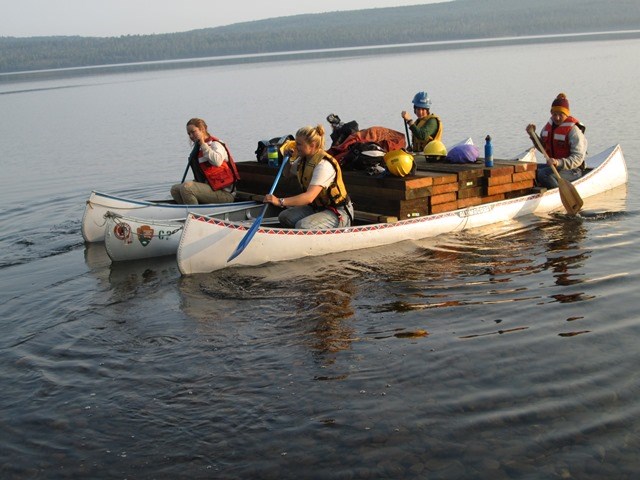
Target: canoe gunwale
[{"x": 160, "y": 203}]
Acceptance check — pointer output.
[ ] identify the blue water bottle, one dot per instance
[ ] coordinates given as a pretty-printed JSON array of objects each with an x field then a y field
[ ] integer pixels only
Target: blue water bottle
[
  {"x": 272, "y": 156},
  {"x": 488, "y": 152}
]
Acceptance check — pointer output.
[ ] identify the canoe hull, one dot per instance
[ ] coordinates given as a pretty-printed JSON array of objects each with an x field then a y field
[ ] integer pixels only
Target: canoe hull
[
  {"x": 207, "y": 242},
  {"x": 129, "y": 238},
  {"x": 98, "y": 204}
]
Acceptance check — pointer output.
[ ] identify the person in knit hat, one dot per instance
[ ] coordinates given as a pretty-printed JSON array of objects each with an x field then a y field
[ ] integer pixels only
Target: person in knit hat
[{"x": 564, "y": 141}]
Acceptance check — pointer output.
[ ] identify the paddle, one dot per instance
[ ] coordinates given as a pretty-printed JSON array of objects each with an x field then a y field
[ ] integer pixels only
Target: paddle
[
  {"x": 406, "y": 129},
  {"x": 568, "y": 194},
  {"x": 256, "y": 223},
  {"x": 186, "y": 170},
  {"x": 196, "y": 147}
]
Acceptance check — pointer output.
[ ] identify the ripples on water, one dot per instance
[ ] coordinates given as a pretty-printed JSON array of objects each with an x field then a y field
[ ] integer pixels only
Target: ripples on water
[{"x": 489, "y": 351}]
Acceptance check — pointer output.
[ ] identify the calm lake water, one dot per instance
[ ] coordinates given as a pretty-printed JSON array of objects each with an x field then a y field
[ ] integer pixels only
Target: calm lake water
[{"x": 309, "y": 369}]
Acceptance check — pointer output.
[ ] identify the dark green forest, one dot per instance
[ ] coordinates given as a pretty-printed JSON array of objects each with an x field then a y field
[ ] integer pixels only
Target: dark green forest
[{"x": 455, "y": 20}]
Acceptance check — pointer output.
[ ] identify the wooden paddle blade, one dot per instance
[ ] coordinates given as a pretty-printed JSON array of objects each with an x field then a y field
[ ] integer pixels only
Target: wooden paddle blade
[
  {"x": 569, "y": 196},
  {"x": 249, "y": 235}
]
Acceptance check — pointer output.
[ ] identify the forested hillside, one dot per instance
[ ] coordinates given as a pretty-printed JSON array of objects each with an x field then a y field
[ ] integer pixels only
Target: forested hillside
[{"x": 458, "y": 19}]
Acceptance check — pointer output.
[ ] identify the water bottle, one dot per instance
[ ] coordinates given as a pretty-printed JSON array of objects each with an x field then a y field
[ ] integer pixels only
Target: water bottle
[
  {"x": 272, "y": 156},
  {"x": 488, "y": 152}
]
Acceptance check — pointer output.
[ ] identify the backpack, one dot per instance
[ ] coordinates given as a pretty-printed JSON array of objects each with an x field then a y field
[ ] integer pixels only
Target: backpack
[
  {"x": 364, "y": 156},
  {"x": 261, "y": 151},
  {"x": 342, "y": 131}
]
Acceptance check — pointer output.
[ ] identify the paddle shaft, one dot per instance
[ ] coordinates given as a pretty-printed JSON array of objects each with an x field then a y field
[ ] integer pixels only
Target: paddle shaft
[
  {"x": 406, "y": 129},
  {"x": 256, "y": 223},
  {"x": 536, "y": 140},
  {"x": 196, "y": 147},
  {"x": 186, "y": 170}
]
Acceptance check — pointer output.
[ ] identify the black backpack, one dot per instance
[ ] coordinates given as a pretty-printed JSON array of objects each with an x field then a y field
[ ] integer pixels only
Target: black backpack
[
  {"x": 364, "y": 156},
  {"x": 261, "y": 151},
  {"x": 342, "y": 131}
]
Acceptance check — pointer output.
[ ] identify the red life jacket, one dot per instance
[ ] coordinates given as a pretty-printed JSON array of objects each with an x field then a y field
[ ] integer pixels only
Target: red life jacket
[
  {"x": 222, "y": 176},
  {"x": 556, "y": 139}
]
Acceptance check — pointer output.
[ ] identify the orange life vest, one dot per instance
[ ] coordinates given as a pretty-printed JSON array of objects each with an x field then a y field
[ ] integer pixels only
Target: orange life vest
[
  {"x": 222, "y": 176},
  {"x": 333, "y": 196},
  {"x": 556, "y": 139}
]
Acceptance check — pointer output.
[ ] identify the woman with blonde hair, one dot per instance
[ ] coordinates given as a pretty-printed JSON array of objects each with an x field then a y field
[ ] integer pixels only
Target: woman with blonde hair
[{"x": 324, "y": 202}]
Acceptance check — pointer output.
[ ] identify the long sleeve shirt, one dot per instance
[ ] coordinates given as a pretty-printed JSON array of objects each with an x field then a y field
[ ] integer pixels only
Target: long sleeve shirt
[
  {"x": 578, "y": 150},
  {"x": 214, "y": 152}
]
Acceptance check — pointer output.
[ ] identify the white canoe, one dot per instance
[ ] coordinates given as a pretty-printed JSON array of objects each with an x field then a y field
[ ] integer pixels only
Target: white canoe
[
  {"x": 207, "y": 243},
  {"x": 130, "y": 238},
  {"x": 98, "y": 204}
]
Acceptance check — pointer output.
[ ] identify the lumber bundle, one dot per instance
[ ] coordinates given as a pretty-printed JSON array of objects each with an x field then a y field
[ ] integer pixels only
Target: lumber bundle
[
  {"x": 435, "y": 188},
  {"x": 478, "y": 184}
]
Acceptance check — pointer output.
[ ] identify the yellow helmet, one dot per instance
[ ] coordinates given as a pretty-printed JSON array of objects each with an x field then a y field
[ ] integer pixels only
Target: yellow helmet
[
  {"x": 399, "y": 162},
  {"x": 435, "y": 148}
]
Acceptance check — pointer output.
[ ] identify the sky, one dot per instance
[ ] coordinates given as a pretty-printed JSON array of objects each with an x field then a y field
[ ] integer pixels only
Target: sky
[{"x": 112, "y": 18}]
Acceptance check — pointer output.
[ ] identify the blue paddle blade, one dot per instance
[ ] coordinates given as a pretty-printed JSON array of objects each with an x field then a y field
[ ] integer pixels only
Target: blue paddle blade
[
  {"x": 256, "y": 224},
  {"x": 249, "y": 235}
]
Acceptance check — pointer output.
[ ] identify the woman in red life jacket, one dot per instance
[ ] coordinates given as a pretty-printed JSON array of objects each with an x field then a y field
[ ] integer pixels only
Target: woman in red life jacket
[
  {"x": 564, "y": 141},
  {"x": 214, "y": 170}
]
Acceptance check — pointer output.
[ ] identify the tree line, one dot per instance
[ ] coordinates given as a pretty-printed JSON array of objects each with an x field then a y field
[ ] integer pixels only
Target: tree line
[{"x": 454, "y": 20}]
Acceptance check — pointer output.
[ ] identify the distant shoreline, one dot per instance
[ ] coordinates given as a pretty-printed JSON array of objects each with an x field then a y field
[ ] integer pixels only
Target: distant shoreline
[{"x": 11, "y": 77}]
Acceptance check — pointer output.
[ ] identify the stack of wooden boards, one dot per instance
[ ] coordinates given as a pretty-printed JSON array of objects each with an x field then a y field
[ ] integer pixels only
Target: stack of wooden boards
[{"x": 435, "y": 188}]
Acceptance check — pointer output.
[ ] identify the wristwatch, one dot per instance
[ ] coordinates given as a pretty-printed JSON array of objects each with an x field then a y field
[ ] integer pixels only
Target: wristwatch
[{"x": 281, "y": 200}]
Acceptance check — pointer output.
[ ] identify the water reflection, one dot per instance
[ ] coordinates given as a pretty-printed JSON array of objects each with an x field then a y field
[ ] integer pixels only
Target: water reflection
[
  {"x": 127, "y": 280},
  {"x": 314, "y": 311},
  {"x": 95, "y": 256},
  {"x": 327, "y": 315},
  {"x": 563, "y": 238}
]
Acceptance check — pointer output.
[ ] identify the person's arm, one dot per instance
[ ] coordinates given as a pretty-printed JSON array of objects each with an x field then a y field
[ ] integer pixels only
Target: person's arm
[
  {"x": 214, "y": 152},
  {"x": 578, "y": 151},
  {"x": 323, "y": 176},
  {"x": 530, "y": 127},
  {"x": 305, "y": 198}
]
